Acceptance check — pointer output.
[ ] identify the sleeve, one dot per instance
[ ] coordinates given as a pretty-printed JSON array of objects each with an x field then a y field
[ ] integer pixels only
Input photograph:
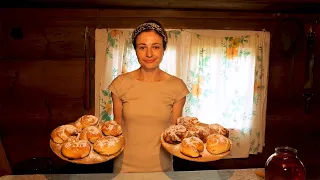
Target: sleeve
[
  {"x": 182, "y": 90},
  {"x": 115, "y": 86}
]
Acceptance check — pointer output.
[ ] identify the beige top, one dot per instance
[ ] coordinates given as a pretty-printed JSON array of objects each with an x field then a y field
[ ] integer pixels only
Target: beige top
[{"x": 147, "y": 109}]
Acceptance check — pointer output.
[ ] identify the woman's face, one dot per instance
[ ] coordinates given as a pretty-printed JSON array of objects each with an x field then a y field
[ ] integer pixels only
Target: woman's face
[{"x": 149, "y": 49}]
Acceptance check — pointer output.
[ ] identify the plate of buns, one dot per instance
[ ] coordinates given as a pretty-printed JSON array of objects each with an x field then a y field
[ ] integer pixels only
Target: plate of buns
[
  {"x": 195, "y": 141},
  {"x": 87, "y": 140}
]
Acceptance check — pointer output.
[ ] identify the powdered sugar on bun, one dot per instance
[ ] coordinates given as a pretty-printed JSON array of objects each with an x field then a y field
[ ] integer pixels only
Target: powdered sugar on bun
[
  {"x": 217, "y": 128},
  {"x": 217, "y": 144},
  {"x": 174, "y": 134},
  {"x": 193, "y": 141},
  {"x": 107, "y": 141},
  {"x": 200, "y": 131},
  {"x": 192, "y": 147},
  {"x": 188, "y": 121},
  {"x": 75, "y": 144},
  {"x": 72, "y": 139},
  {"x": 85, "y": 121},
  {"x": 111, "y": 128},
  {"x": 188, "y": 134},
  {"x": 91, "y": 133},
  {"x": 73, "y": 148},
  {"x": 63, "y": 132},
  {"x": 107, "y": 145},
  {"x": 92, "y": 130}
]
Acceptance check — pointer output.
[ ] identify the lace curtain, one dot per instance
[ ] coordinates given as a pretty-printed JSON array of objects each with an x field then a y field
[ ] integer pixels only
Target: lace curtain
[{"x": 225, "y": 71}]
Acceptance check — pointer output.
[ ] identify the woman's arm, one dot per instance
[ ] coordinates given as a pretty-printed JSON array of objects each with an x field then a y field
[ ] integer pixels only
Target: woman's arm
[
  {"x": 177, "y": 110},
  {"x": 117, "y": 109}
]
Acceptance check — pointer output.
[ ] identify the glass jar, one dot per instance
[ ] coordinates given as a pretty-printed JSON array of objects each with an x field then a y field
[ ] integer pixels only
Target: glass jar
[{"x": 284, "y": 164}]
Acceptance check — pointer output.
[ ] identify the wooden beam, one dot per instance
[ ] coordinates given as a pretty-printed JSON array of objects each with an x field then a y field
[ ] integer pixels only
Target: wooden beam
[
  {"x": 236, "y": 5},
  {"x": 53, "y": 13},
  {"x": 172, "y": 23},
  {"x": 184, "y": 14},
  {"x": 129, "y": 18}
]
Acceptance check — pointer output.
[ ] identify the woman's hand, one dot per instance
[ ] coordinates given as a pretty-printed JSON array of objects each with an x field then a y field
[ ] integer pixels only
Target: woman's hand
[
  {"x": 117, "y": 109},
  {"x": 177, "y": 110}
]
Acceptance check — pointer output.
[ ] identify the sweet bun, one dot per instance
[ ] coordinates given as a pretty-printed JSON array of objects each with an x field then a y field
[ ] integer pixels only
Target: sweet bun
[
  {"x": 192, "y": 147},
  {"x": 85, "y": 121},
  {"x": 63, "y": 132},
  {"x": 217, "y": 128},
  {"x": 111, "y": 128},
  {"x": 174, "y": 134},
  {"x": 217, "y": 144},
  {"x": 188, "y": 121},
  {"x": 199, "y": 131},
  {"x": 188, "y": 134},
  {"x": 107, "y": 145},
  {"x": 90, "y": 133},
  {"x": 73, "y": 148}
]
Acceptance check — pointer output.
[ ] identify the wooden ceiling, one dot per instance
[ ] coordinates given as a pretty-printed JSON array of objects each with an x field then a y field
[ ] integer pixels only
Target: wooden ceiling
[{"x": 301, "y": 6}]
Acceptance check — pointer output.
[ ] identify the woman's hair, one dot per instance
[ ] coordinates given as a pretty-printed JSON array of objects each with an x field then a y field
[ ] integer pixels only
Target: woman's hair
[{"x": 151, "y": 25}]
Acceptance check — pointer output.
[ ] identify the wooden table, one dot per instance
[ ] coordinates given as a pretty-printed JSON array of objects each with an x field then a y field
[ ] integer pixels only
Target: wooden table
[{"x": 230, "y": 174}]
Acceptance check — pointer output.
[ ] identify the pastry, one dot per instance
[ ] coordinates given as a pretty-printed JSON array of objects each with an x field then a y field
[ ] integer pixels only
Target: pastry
[
  {"x": 111, "y": 128},
  {"x": 91, "y": 133},
  {"x": 217, "y": 128},
  {"x": 73, "y": 148},
  {"x": 85, "y": 121},
  {"x": 107, "y": 145},
  {"x": 63, "y": 132},
  {"x": 192, "y": 147},
  {"x": 174, "y": 134},
  {"x": 217, "y": 144},
  {"x": 199, "y": 131},
  {"x": 188, "y": 121},
  {"x": 188, "y": 134}
]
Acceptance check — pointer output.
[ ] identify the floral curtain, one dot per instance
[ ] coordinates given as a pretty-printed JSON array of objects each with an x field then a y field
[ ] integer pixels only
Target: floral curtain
[{"x": 225, "y": 71}]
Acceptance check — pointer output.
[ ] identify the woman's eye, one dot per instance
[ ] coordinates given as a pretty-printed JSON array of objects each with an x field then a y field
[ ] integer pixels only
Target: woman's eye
[{"x": 142, "y": 47}]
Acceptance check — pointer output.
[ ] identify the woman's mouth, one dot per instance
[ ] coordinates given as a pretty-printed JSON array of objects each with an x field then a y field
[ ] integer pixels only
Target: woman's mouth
[{"x": 149, "y": 61}]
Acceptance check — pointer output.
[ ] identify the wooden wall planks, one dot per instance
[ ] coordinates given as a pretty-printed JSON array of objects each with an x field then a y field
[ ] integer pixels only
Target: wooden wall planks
[{"x": 46, "y": 68}]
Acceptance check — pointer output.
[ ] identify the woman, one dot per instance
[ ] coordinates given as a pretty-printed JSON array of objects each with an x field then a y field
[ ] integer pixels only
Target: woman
[{"x": 146, "y": 101}]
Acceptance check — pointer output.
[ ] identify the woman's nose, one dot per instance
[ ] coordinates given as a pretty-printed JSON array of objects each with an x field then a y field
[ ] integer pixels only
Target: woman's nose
[{"x": 149, "y": 52}]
